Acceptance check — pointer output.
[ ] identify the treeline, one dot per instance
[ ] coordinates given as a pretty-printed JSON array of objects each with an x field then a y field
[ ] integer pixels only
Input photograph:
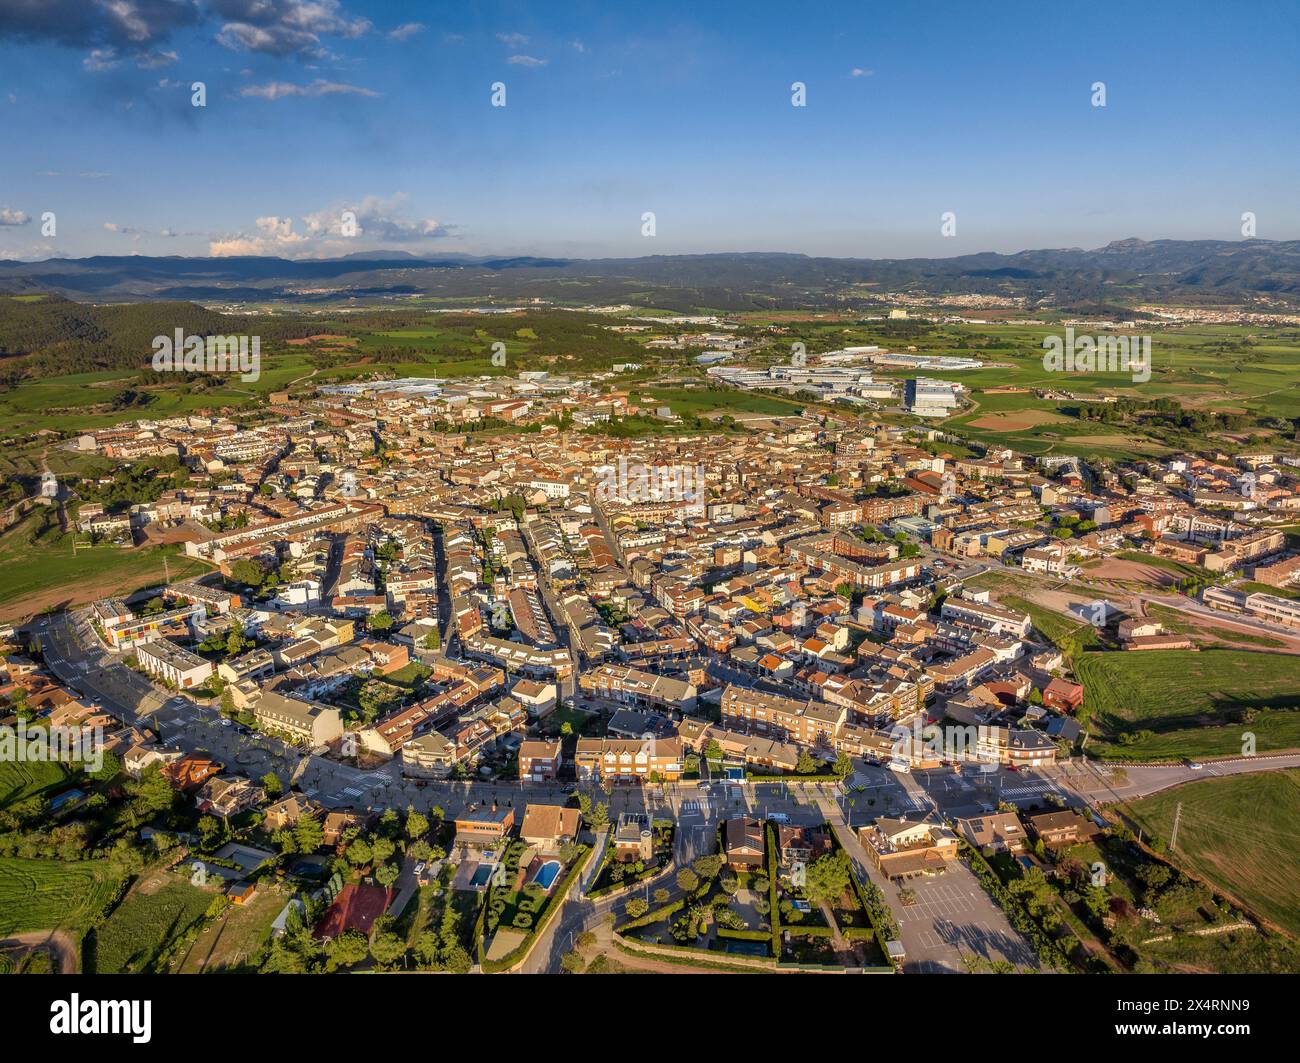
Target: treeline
[
  {"x": 56, "y": 336},
  {"x": 1172, "y": 414}
]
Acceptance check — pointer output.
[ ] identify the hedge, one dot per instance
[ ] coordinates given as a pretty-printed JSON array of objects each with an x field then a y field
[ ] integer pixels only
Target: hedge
[
  {"x": 741, "y": 935},
  {"x": 773, "y": 893},
  {"x": 553, "y": 906},
  {"x": 1049, "y": 951},
  {"x": 880, "y": 918},
  {"x": 665, "y": 911}
]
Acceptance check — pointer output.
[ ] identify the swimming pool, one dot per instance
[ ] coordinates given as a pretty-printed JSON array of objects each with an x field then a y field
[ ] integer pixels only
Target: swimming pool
[
  {"x": 481, "y": 875},
  {"x": 546, "y": 874}
]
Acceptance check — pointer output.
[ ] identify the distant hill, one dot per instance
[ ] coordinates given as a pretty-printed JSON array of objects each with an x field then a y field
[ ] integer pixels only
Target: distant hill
[{"x": 1122, "y": 272}]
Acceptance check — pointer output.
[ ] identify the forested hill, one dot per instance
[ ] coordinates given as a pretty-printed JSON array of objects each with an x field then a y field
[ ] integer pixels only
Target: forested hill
[
  {"x": 45, "y": 336},
  {"x": 1122, "y": 272}
]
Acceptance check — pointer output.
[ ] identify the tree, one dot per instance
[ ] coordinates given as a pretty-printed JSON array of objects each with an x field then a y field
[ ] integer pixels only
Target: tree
[
  {"x": 380, "y": 623},
  {"x": 272, "y": 785},
  {"x": 637, "y": 907},
  {"x": 599, "y": 818},
  {"x": 417, "y": 824},
  {"x": 661, "y": 895},
  {"x": 829, "y": 877},
  {"x": 806, "y": 765},
  {"x": 712, "y": 750},
  {"x": 358, "y": 853},
  {"x": 843, "y": 766},
  {"x": 211, "y": 830},
  {"x": 387, "y": 875},
  {"x": 707, "y": 866},
  {"x": 386, "y": 948},
  {"x": 571, "y": 962},
  {"x": 248, "y": 572},
  {"x": 687, "y": 880},
  {"x": 309, "y": 834},
  {"x": 346, "y": 949}
]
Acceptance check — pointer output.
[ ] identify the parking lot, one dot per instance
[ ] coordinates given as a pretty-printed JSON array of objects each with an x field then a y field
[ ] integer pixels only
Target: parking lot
[{"x": 952, "y": 917}]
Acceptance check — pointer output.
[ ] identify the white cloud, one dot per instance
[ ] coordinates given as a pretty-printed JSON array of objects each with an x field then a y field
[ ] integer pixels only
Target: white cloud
[
  {"x": 101, "y": 59},
  {"x": 13, "y": 218},
  {"x": 526, "y": 60},
  {"x": 153, "y": 60},
  {"x": 512, "y": 40},
  {"x": 406, "y": 31},
  {"x": 379, "y": 222},
  {"x": 279, "y": 90},
  {"x": 285, "y": 27},
  {"x": 860, "y": 72}
]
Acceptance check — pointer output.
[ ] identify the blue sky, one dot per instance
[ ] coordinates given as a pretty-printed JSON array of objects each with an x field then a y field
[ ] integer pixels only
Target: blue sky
[{"x": 315, "y": 107}]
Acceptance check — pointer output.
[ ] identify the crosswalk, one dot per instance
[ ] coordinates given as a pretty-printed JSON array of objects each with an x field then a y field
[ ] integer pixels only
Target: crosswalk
[{"x": 1033, "y": 790}]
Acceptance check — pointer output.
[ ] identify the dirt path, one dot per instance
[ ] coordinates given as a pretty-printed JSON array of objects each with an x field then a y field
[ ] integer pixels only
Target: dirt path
[{"x": 57, "y": 941}]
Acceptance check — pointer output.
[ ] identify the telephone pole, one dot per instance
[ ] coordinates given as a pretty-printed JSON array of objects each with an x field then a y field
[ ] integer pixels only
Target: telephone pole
[{"x": 1173, "y": 838}]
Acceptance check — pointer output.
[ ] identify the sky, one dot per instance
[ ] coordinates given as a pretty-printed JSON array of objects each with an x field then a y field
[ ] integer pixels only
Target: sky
[{"x": 321, "y": 113}]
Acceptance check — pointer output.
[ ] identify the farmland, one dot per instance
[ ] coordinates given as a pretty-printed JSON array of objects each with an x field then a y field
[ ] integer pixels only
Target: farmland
[
  {"x": 38, "y": 568},
  {"x": 22, "y": 779},
  {"x": 1184, "y": 703},
  {"x": 154, "y": 914},
  {"x": 51, "y": 894},
  {"x": 1239, "y": 833}
]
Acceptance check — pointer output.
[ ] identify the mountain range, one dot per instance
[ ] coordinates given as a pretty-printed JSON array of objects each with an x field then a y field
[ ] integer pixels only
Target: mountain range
[{"x": 1121, "y": 273}]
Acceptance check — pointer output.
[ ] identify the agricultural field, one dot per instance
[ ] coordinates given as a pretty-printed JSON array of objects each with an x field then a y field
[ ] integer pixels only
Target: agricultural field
[
  {"x": 22, "y": 779},
  {"x": 1238, "y": 833},
  {"x": 38, "y": 569},
  {"x": 53, "y": 894},
  {"x": 1185, "y": 703},
  {"x": 157, "y": 911}
]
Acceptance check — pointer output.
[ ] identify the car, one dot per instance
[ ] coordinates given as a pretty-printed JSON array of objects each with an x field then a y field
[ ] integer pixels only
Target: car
[
  {"x": 419, "y": 869},
  {"x": 225, "y": 723},
  {"x": 778, "y": 817},
  {"x": 1195, "y": 765},
  {"x": 1012, "y": 767},
  {"x": 900, "y": 766}
]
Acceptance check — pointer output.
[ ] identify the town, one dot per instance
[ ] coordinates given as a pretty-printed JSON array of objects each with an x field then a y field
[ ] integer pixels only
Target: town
[{"x": 469, "y": 683}]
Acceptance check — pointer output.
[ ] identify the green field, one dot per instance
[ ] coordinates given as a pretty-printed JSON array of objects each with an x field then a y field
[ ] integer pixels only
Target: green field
[
  {"x": 132, "y": 937},
  {"x": 1239, "y": 833},
  {"x": 21, "y": 779},
  {"x": 1068, "y": 633},
  {"x": 53, "y": 895},
  {"x": 37, "y": 559},
  {"x": 1194, "y": 703}
]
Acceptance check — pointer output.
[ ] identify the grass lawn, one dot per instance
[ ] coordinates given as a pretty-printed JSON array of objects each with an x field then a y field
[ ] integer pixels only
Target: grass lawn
[
  {"x": 1177, "y": 622},
  {"x": 38, "y": 569},
  {"x": 236, "y": 937},
  {"x": 1194, "y": 703},
  {"x": 21, "y": 779},
  {"x": 53, "y": 894},
  {"x": 1238, "y": 833},
  {"x": 1263, "y": 588},
  {"x": 131, "y": 939},
  {"x": 1061, "y": 629},
  {"x": 409, "y": 676}
]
